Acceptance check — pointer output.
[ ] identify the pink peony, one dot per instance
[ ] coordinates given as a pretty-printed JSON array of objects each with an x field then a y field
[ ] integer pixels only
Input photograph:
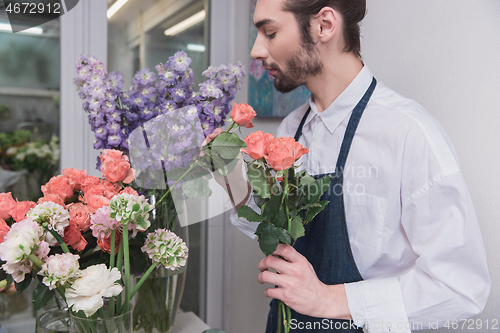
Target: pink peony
[{"x": 102, "y": 224}]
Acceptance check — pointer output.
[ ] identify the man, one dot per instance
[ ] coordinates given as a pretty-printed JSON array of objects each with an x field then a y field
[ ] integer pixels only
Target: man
[{"x": 407, "y": 253}]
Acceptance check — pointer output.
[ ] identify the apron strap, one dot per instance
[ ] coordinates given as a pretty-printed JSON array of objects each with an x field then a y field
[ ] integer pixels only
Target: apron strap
[
  {"x": 352, "y": 126},
  {"x": 357, "y": 112},
  {"x": 298, "y": 133}
]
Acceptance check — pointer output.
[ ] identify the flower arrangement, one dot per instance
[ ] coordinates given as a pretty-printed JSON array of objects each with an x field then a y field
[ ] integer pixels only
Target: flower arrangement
[{"x": 75, "y": 239}]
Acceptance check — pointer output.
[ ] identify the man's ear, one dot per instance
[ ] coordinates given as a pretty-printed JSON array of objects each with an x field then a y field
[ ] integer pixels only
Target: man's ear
[{"x": 326, "y": 25}]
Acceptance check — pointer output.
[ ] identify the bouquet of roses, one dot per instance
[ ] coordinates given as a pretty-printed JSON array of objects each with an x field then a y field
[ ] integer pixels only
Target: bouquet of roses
[
  {"x": 75, "y": 239},
  {"x": 287, "y": 199}
]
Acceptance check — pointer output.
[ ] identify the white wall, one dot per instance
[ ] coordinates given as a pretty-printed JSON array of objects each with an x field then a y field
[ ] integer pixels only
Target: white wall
[{"x": 444, "y": 54}]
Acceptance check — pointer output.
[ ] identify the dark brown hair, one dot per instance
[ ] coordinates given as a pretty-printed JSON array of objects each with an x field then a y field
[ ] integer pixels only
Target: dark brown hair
[{"x": 352, "y": 12}]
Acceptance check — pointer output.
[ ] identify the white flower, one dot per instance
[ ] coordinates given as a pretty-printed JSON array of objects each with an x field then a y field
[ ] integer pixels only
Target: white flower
[
  {"x": 167, "y": 248},
  {"x": 127, "y": 208},
  {"x": 94, "y": 283},
  {"x": 55, "y": 215},
  {"x": 22, "y": 240},
  {"x": 59, "y": 269}
]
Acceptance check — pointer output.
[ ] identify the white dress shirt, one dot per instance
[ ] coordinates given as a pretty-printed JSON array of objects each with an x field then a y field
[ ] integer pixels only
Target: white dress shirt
[{"x": 412, "y": 227}]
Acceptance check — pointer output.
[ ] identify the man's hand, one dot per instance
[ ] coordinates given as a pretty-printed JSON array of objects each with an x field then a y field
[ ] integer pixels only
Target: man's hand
[{"x": 299, "y": 287}]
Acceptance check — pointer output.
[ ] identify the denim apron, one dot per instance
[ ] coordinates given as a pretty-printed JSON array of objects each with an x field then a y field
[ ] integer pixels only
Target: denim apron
[{"x": 326, "y": 243}]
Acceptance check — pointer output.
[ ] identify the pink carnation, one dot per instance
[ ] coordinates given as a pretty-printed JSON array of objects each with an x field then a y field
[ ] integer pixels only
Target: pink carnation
[{"x": 101, "y": 224}]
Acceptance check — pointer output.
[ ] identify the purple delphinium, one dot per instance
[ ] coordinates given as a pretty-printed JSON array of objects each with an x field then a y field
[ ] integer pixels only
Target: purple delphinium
[
  {"x": 216, "y": 94},
  {"x": 100, "y": 92}
]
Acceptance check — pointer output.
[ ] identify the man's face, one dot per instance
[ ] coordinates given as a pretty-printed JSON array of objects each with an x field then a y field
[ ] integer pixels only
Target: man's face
[{"x": 280, "y": 47}]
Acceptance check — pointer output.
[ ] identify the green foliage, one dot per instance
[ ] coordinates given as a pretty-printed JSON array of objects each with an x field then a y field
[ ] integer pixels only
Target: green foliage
[{"x": 41, "y": 296}]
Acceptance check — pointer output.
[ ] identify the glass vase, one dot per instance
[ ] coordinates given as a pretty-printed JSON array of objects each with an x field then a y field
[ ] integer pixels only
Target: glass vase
[
  {"x": 159, "y": 298},
  {"x": 114, "y": 324},
  {"x": 53, "y": 321}
]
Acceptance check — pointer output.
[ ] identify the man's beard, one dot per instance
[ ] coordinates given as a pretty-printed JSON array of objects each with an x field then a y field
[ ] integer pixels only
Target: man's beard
[{"x": 303, "y": 63}]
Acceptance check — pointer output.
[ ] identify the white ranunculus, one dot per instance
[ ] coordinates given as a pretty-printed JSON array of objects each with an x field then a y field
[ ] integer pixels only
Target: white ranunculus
[
  {"x": 20, "y": 241},
  {"x": 94, "y": 283}
]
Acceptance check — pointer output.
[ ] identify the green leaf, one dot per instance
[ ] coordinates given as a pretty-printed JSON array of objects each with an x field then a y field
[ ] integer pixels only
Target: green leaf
[
  {"x": 313, "y": 211},
  {"x": 175, "y": 174},
  {"x": 258, "y": 180},
  {"x": 204, "y": 191},
  {"x": 249, "y": 214},
  {"x": 307, "y": 180},
  {"x": 136, "y": 207},
  {"x": 269, "y": 237},
  {"x": 280, "y": 218},
  {"x": 21, "y": 286},
  {"x": 297, "y": 228},
  {"x": 41, "y": 296},
  {"x": 285, "y": 237},
  {"x": 227, "y": 145},
  {"x": 190, "y": 187},
  {"x": 271, "y": 208},
  {"x": 9, "y": 279},
  {"x": 259, "y": 201},
  {"x": 316, "y": 189}
]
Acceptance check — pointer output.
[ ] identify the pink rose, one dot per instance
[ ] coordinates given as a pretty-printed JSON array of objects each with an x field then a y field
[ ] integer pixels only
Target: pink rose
[
  {"x": 52, "y": 198},
  {"x": 18, "y": 212},
  {"x": 257, "y": 144},
  {"x": 6, "y": 204},
  {"x": 283, "y": 152},
  {"x": 243, "y": 114},
  {"x": 4, "y": 229},
  {"x": 80, "y": 215},
  {"x": 73, "y": 237},
  {"x": 129, "y": 190},
  {"x": 75, "y": 177},
  {"x": 112, "y": 155},
  {"x": 105, "y": 243},
  {"x": 94, "y": 202},
  {"x": 59, "y": 185},
  {"x": 116, "y": 171}
]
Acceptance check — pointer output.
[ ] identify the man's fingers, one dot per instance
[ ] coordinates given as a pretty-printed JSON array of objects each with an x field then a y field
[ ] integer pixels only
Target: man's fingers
[
  {"x": 288, "y": 253},
  {"x": 275, "y": 263}
]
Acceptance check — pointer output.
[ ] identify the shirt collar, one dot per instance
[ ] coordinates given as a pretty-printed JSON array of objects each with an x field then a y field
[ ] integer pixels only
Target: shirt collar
[{"x": 343, "y": 105}]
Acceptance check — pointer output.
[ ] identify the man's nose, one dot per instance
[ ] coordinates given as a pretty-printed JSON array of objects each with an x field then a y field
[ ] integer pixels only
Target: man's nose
[{"x": 259, "y": 51}]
